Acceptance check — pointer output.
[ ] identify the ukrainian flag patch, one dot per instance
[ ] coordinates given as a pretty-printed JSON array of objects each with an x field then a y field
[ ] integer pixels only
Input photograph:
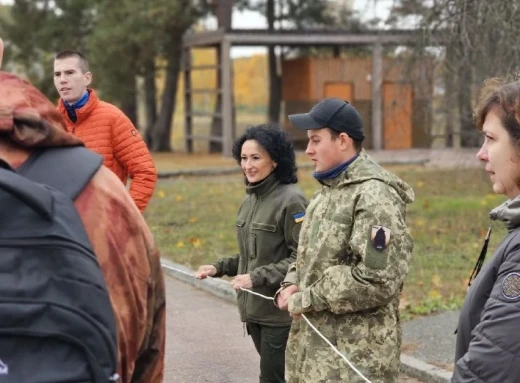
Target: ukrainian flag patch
[{"x": 298, "y": 217}]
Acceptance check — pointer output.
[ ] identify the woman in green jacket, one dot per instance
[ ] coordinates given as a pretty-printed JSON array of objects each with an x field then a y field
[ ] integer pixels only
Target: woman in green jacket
[{"x": 268, "y": 225}]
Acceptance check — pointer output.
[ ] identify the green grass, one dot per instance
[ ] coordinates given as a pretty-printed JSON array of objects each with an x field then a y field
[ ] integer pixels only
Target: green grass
[{"x": 193, "y": 220}]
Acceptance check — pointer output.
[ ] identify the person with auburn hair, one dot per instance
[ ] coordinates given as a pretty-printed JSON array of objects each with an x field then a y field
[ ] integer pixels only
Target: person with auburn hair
[{"x": 488, "y": 344}]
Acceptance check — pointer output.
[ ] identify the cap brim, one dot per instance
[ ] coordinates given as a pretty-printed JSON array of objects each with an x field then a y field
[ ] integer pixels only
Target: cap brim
[{"x": 304, "y": 121}]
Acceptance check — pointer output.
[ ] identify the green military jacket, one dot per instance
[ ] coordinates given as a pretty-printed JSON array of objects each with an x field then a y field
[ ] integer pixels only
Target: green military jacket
[
  {"x": 352, "y": 261},
  {"x": 268, "y": 226}
]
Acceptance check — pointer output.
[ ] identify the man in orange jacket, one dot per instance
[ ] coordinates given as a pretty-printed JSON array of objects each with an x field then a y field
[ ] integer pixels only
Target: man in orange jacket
[
  {"x": 119, "y": 235},
  {"x": 103, "y": 127}
]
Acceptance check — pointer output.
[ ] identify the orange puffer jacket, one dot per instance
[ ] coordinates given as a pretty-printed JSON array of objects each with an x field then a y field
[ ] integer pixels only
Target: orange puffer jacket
[{"x": 108, "y": 131}]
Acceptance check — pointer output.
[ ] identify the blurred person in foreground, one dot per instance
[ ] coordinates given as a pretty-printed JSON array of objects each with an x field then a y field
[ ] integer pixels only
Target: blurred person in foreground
[
  {"x": 268, "y": 225},
  {"x": 120, "y": 237}
]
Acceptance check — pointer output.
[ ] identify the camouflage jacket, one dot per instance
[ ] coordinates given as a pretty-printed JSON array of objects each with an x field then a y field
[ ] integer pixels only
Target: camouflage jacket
[
  {"x": 268, "y": 226},
  {"x": 352, "y": 260}
]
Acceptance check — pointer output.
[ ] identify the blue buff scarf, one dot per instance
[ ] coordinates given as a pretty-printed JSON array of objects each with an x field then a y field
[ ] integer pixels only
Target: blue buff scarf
[
  {"x": 334, "y": 172},
  {"x": 71, "y": 109}
]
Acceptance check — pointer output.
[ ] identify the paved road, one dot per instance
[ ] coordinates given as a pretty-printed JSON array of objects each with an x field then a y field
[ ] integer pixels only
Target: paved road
[{"x": 205, "y": 340}]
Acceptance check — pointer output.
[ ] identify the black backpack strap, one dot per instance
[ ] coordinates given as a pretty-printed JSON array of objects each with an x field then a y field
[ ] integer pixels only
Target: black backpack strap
[
  {"x": 33, "y": 195},
  {"x": 67, "y": 169}
]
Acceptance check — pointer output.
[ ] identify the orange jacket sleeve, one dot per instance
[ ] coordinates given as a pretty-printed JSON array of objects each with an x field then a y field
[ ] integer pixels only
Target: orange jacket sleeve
[{"x": 131, "y": 151}]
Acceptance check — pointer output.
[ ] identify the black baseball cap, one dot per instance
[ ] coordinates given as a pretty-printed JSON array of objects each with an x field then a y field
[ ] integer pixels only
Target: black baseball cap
[{"x": 334, "y": 114}]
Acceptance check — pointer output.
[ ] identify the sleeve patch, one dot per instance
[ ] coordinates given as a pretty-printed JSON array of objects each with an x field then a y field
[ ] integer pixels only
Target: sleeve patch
[
  {"x": 380, "y": 237},
  {"x": 511, "y": 287},
  {"x": 298, "y": 217}
]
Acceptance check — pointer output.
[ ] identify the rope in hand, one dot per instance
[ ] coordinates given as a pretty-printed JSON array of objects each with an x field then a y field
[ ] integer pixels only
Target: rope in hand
[{"x": 303, "y": 316}]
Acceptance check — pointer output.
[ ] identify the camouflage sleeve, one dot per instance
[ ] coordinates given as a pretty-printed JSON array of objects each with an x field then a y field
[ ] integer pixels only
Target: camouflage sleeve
[
  {"x": 290, "y": 277},
  {"x": 227, "y": 266},
  {"x": 383, "y": 244},
  {"x": 273, "y": 274}
]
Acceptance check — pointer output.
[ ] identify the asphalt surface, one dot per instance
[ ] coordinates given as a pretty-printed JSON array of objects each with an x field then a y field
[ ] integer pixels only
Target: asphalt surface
[
  {"x": 432, "y": 339},
  {"x": 205, "y": 339}
]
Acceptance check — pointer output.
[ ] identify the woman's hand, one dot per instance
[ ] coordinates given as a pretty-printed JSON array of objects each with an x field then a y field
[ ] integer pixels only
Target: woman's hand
[
  {"x": 242, "y": 281},
  {"x": 205, "y": 271}
]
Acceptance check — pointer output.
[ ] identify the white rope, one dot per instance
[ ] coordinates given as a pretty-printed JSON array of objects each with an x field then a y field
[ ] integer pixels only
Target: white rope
[
  {"x": 335, "y": 349},
  {"x": 303, "y": 316},
  {"x": 222, "y": 280},
  {"x": 260, "y": 295}
]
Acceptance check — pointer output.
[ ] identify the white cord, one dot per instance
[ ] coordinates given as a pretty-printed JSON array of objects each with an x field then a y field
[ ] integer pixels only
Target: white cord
[
  {"x": 304, "y": 317},
  {"x": 335, "y": 349}
]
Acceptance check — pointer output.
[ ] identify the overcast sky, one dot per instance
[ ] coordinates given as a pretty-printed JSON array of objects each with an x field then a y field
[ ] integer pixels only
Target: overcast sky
[{"x": 248, "y": 19}]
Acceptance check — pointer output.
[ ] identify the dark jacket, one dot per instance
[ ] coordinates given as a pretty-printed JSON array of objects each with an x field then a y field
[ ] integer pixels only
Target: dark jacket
[
  {"x": 488, "y": 336},
  {"x": 268, "y": 227}
]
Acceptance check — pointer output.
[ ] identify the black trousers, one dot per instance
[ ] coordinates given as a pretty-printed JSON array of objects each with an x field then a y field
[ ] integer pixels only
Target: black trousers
[{"x": 270, "y": 343}]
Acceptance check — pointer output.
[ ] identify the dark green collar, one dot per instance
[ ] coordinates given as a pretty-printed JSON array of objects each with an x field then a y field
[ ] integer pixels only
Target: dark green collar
[{"x": 263, "y": 188}]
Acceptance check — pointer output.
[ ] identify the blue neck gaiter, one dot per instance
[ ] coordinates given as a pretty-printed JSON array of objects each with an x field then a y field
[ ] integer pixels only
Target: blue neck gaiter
[
  {"x": 334, "y": 172},
  {"x": 71, "y": 108}
]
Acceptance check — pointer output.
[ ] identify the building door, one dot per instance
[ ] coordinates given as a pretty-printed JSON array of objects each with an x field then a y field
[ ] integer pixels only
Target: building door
[
  {"x": 397, "y": 115},
  {"x": 342, "y": 90}
]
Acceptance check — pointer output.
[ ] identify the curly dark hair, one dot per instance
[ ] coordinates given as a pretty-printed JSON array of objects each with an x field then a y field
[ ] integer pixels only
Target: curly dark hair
[{"x": 277, "y": 144}]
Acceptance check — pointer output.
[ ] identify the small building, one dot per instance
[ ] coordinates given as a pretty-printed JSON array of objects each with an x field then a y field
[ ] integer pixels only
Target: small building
[{"x": 407, "y": 91}]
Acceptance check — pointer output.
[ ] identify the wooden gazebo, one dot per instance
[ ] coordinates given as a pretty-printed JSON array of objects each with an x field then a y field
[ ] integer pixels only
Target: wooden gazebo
[{"x": 222, "y": 40}]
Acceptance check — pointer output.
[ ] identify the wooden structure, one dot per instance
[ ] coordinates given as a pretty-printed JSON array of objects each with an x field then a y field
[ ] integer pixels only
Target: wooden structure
[
  {"x": 406, "y": 92},
  {"x": 223, "y": 39}
]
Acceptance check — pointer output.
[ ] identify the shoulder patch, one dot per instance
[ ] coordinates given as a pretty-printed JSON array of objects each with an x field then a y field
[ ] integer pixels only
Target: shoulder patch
[
  {"x": 298, "y": 217},
  {"x": 380, "y": 237},
  {"x": 511, "y": 287}
]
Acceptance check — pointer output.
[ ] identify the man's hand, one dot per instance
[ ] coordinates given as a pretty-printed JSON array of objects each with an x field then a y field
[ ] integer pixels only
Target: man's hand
[
  {"x": 205, "y": 271},
  {"x": 242, "y": 281},
  {"x": 282, "y": 300}
]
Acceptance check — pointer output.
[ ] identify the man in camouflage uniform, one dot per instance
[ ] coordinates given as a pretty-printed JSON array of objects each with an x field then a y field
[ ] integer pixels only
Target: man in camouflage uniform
[{"x": 352, "y": 257}]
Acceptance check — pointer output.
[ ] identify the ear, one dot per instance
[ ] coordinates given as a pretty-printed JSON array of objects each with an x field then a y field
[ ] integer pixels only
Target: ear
[
  {"x": 274, "y": 165},
  {"x": 88, "y": 78},
  {"x": 345, "y": 141}
]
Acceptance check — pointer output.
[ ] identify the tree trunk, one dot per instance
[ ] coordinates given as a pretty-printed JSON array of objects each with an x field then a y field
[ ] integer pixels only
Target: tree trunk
[
  {"x": 129, "y": 103},
  {"x": 275, "y": 83},
  {"x": 163, "y": 126},
  {"x": 216, "y": 122},
  {"x": 275, "y": 88},
  {"x": 150, "y": 92},
  {"x": 469, "y": 136},
  {"x": 449, "y": 98},
  {"x": 224, "y": 17}
]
